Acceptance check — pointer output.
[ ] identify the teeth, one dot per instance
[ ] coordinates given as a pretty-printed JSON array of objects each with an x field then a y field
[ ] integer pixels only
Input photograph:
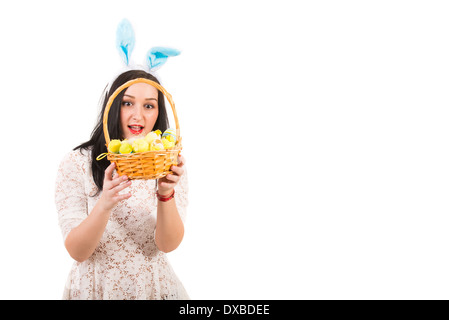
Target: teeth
[{"x": 136, "y": 128}]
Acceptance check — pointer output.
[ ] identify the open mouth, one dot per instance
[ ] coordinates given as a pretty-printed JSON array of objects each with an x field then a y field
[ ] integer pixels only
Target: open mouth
[{"x": 135, "y": 129}]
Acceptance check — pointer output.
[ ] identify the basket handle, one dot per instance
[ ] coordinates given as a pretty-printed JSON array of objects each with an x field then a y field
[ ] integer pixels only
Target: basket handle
[{"x": 128, "y": 84}]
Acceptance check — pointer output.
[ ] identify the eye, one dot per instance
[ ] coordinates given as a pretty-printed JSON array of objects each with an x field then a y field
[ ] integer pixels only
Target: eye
[
  {"x": 126, "y": 103},
  {"x": 149, "y": 106}
]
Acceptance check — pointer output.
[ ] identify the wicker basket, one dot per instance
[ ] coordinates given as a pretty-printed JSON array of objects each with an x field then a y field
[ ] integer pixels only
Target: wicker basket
[{"x": 143, "y": 165}]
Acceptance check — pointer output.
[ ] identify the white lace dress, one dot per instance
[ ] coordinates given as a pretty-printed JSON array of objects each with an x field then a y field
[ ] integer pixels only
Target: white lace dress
[{"x": 126, "y": 264}]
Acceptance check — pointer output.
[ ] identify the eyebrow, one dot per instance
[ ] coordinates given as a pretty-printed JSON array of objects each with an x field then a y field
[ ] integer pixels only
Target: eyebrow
[{"x": 127, "y": 95}]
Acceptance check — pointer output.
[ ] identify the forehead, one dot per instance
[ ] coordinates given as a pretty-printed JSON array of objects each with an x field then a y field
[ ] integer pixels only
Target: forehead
[{"x": 142, "y": 90}]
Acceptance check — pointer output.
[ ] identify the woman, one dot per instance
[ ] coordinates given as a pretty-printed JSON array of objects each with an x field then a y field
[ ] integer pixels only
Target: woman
[{"x": 119, "y": 230}]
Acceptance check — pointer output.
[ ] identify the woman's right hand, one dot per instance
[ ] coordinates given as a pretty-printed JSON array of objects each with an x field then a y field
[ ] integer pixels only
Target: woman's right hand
[{"x": 111, "y": 188}]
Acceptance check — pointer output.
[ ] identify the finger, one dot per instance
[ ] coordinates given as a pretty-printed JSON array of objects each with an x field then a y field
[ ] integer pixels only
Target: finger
[
  {"x": 120, "y": 187},
  {"x": 177, "y": 170},
  {"x": 118, "y": 180},
  {"x": 121, "y": 197},
  {"x": 181, "y": 161},
  {"x": 109, "y": 170},
  {"x": 172, "y": 178},
  {"x": 110, "y": 184},
  {"x": 166, "y": 185}
]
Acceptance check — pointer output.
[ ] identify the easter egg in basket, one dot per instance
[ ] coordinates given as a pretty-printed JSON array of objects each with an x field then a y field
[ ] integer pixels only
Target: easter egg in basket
[
  {"x": 125, "y": 148},
  {"x": 114, "y": 146}
]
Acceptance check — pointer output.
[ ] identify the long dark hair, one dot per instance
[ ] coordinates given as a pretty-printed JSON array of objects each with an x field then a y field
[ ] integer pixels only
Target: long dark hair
[{"x": 97, "y": 140}]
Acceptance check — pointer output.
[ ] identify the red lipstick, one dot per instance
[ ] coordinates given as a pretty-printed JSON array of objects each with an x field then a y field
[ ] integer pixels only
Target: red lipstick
[{"x": 135, "y": 129}]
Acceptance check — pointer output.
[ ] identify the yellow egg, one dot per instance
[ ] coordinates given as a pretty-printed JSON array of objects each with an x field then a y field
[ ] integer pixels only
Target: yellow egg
[
  {"x": 125, "y": 148},
  {"x": 140, "y": 145},
  {"x": 152, "y": 136},
  {"x": 114, "y": 146},
  {"x": 167, "y": 143},
  {"x": 156, "y": 145}
]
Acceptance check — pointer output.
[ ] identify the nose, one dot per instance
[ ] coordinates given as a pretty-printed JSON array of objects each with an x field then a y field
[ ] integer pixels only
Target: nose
[{"x": 137, "y": 114}]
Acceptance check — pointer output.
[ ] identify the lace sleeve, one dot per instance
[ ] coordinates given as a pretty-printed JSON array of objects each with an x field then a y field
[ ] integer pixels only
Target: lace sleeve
[
  {"x": 181, "y": 196},
  {"x": 70, "y": 196}
]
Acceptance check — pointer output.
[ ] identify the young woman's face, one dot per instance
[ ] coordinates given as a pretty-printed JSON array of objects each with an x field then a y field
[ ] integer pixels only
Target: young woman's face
[{"x": 139, "y": 110}]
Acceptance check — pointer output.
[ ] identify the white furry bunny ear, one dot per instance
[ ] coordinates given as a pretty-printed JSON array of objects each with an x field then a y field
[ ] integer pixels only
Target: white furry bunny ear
[
  {"x": 125, "y": 40},
  {"x": 157, "y": 56}
]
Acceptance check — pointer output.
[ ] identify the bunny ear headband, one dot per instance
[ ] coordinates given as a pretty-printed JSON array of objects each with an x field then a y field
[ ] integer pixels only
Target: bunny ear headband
[{"x": 125, "y": 41}]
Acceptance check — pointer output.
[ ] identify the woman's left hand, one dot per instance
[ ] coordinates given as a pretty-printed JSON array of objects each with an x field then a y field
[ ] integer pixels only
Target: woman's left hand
[{"x": 166, "y": 184}]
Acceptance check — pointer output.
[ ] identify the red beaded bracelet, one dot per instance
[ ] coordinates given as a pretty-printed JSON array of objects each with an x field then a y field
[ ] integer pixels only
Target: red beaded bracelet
[{"x": 165, "y": 198}]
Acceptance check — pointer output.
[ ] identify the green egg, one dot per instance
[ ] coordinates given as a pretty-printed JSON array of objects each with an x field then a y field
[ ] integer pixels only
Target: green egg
[{"x": 125, "y": 148}]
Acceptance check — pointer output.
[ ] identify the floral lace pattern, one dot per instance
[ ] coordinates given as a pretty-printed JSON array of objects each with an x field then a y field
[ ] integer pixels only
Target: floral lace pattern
[{"x": 126, "y": 263}]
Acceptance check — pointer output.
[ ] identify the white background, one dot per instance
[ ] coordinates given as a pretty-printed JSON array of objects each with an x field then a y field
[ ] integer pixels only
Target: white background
[{"x": 315, "y": 132}]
